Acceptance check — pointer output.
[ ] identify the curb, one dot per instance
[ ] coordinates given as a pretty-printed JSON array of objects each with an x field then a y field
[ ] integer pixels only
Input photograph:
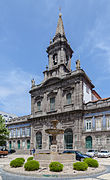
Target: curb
[{"x": 56, "y": 175}]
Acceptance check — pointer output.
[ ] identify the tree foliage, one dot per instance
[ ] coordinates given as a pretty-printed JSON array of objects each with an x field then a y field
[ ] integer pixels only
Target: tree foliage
[{"x": 4, "y": 133}]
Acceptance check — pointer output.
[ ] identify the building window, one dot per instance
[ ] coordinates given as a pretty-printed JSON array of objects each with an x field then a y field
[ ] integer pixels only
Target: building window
[
  {"x": 88, "y": 125},
  {"x": 23, "y": 132},
  {"x": 68, "y": 138},
  {"x": 88, "y": 142},
  {"x": 98, "y": 140},
  {"x": 14, "y": 143},
  {"x": 28, "y": 144},
  {"x": 23, "y": 144},
  {"x": 10, "y": 134},
  {"x": 28, "y": 131},
  {"x": 76, "y": 139},
  {"x": 68, "y": 98},
  {"x": 14, "y": 133},
  {"x": 10, "y": 144},
  {"x": 108, "y": 140},
  {"x": 98, "y": 123},
  {"x": 52, "y": 104},
  {"x": 55, "y": 59},
  {"x": 39, "y": 105},
  {"x": 38, "y": 140},
  {"x": 108, "y": 122},
  {"x": 18, "y": 142},
  {"x": 87, "y": 89},
  {"x": 18, "y": 131}
]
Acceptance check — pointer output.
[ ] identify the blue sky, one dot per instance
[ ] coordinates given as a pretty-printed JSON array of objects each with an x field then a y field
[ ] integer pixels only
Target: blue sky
[{"x": 26, "y": 27}]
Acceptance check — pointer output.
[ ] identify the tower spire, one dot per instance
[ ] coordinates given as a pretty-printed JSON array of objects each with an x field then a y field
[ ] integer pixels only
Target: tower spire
[{"x": 60, "y": 27}]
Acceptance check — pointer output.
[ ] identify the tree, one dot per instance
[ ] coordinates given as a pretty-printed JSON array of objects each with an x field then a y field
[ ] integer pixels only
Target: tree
[{"x": 4, "y": 133}]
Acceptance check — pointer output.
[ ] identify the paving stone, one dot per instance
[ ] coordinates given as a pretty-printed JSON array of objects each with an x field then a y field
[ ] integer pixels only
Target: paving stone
[{"x": 104, "y": 177}]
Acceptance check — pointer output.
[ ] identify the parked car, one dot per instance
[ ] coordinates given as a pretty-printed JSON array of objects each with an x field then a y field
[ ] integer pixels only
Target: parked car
[
  {"x": 104, "y": 153},
  {"x": 3, "y": 152},
  {"x": 10, "y": 151},
  {"x": 92, "y": 152},
  {"x": 79, "y": 156}
]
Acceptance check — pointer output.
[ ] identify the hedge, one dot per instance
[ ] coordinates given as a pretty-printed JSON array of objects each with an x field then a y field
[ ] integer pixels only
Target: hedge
[
  {"x": 80, "y": 166},
  {"x": 16, "y": 163},
  {"x": 91, "y": 162},
  {"x": 31, "y": 165},
  {"x": 21, "y": 159},
  {"x": 30, "y": 158},
  {"x": 56, "y": 166}
]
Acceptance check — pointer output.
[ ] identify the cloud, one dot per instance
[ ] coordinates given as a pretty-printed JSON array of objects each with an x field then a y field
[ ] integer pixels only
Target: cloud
[{"x": 14, "y": 91}]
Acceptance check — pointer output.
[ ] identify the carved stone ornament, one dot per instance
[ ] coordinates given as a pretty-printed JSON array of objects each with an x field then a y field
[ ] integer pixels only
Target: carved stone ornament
[
  {"x": 33, "y": 82},
  {"x": 78, "y": 64}
]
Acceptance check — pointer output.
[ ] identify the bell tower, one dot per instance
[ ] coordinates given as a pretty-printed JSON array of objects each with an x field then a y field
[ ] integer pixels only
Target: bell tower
[{"x": 59, "y": 53}]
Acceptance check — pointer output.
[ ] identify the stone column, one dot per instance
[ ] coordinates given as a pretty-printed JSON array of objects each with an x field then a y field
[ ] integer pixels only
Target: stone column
[{"x": 32, "y": 137}]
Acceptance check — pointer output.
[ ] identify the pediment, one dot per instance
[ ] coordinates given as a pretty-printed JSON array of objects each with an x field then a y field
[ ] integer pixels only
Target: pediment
[
  {"x": 52, "y": 93},
  {"x": 51, "y": 81},
  {"x": 68, "y": 88},
  {"x": 38, "y": 97}
]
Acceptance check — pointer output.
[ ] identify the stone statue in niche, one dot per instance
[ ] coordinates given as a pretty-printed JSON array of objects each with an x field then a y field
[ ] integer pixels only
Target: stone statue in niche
[
  {"x": 33, "y": 82},
  {"x": 78, "y": 64}
]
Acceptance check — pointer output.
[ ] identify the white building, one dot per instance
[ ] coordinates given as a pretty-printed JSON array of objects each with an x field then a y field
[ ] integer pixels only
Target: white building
[{"x": 7, "y": 116}]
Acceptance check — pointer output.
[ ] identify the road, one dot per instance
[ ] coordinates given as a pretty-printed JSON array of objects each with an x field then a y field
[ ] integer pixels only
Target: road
[{"x": 102, "y": 176}]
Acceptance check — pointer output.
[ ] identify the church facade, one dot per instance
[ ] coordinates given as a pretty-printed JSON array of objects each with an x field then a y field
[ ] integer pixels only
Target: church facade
[{"x": 67, "y": 96}]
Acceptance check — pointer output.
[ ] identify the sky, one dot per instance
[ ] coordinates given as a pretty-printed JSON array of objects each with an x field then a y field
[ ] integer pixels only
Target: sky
[{"x": 26, "y": 27}]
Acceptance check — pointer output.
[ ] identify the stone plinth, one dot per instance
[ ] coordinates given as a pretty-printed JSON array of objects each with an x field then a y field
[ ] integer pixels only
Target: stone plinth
[
  {"x": 53, "y": 148},
  {"x": 46, "y": 159}
]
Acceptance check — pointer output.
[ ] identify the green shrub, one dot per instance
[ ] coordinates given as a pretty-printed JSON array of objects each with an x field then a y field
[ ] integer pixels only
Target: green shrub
[
  {"x": 16, "y": 163},
  {"x": 30, "y": 158},
  {"x": 56, "y": 166},
  {"x": 21, "y": 159},
  {"x": 80, "y": 166},
  {"x": 31, "y": 165},
  {"x": 91, "y": 162}
]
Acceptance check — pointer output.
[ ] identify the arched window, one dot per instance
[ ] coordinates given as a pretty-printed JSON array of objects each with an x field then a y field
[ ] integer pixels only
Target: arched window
[
  {"x": 88, "y": 142},
  {"x": 68, "y": 98},
  {"x": 38, "y": 140},
  {"x": 68, "y": 139}
]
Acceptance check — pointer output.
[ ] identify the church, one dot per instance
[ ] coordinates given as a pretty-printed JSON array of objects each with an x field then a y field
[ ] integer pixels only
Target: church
[{"x": 67, "y": 96}]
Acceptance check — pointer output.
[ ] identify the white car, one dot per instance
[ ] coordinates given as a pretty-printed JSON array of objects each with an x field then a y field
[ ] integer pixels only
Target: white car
[
  {"x": 104, "y": 153},
  {"x": 92, "y": 152}
]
